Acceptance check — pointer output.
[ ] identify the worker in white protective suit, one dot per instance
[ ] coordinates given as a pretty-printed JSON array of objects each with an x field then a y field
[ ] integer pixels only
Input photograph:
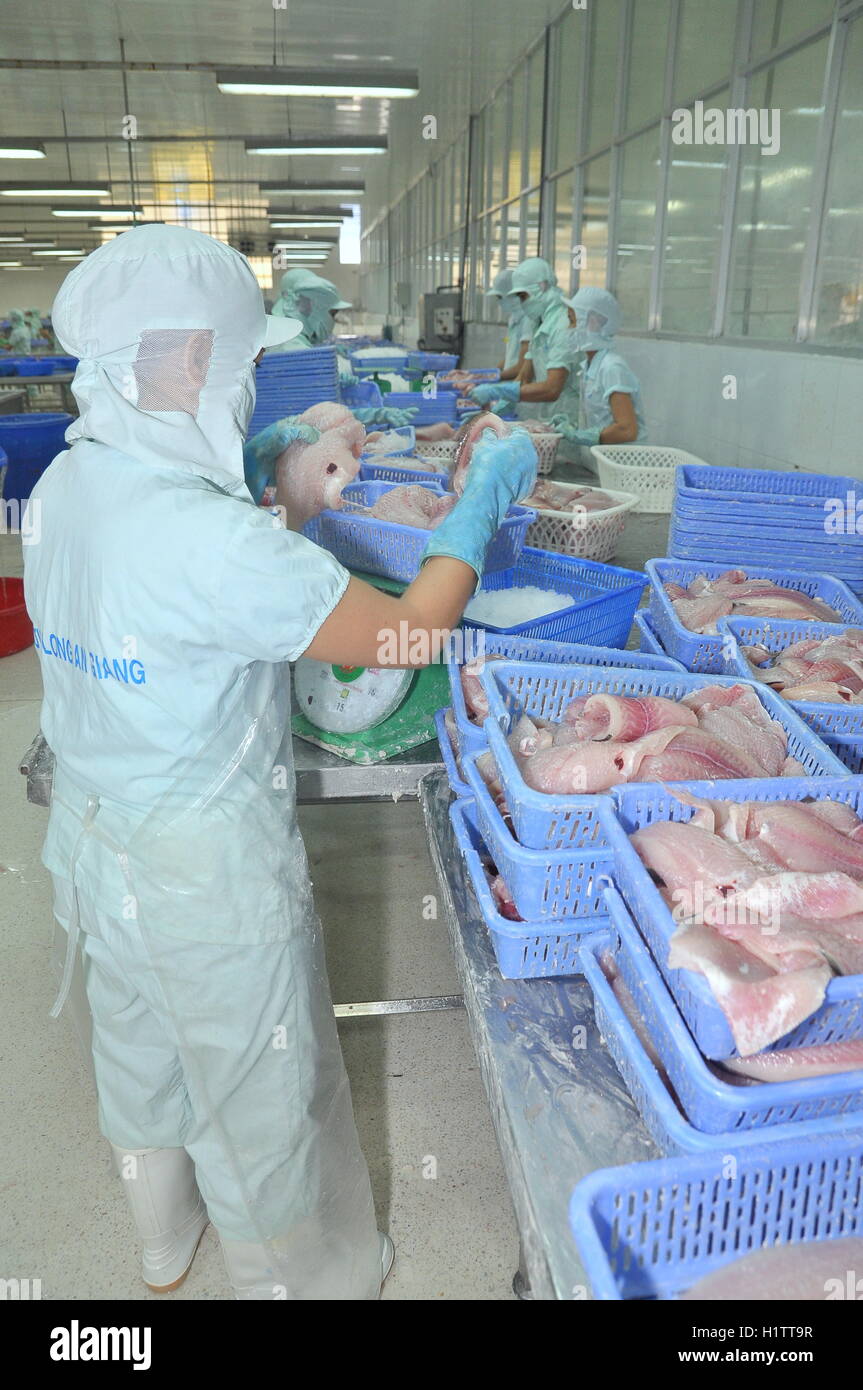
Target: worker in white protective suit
[
  {"x": 517, "y": 327},
  {"x": 307, "y": 296},
  {"x": 547, "y": 382},
  {"x": 166, "y": 607},
  {"x": 611, "y": 408},
  {"x": 19, "y": 332}
]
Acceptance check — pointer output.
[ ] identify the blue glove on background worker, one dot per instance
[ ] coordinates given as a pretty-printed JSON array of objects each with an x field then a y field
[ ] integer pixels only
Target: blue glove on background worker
[
  {"x": 588, "y": 436},
  {"x": 385, "y": 415},
  {"x": 495, "y": 391},
  {"x": 261, "y": 451},
  {"x": 500, "y": 472}
]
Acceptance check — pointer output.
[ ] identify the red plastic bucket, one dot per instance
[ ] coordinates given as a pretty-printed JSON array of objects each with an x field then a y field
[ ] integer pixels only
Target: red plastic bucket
[{"x": 16, "y": 629}]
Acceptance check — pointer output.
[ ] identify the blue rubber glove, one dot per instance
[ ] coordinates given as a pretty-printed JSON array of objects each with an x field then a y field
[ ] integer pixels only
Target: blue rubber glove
[
  {"x": 261, "y": 452},
  {"x": 495, "y": 391},
  {"x": 561, "y": 424},
  {"x": 347, "y": 378},
  {"x": 501, "y": 471},
  {"x": 385, "y": 415}
]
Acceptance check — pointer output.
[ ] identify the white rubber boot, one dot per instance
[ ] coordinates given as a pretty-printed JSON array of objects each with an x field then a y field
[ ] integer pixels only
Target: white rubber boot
[
  {"x": 169, "y": 1211},
  {"x": 251, "y": 1273}
]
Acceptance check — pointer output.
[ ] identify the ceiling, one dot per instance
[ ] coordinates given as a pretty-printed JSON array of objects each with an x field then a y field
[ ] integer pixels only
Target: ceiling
[{"x": 207, "y": 179}]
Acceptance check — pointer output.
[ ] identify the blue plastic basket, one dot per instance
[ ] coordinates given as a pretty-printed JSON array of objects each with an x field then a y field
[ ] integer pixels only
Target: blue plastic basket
[
  {"x": 524, "y": 950},
  {"x": 658, "y": 1107},
  {"x": 391, "y": 550},
  {"x": 450, "y": 757},
  {"x": 700, "y": 652},
  {"x": 840, "y": 1017},
  {"x": 362, "y": 393},
  {"x": 710, "y": 1104},
  {"x": 533, "y": 688},
  {"x": 544, "y": 882},
  {"x": 390, "y": 473},
  {"x": 776, "y": 634},
  {"x": 649, "y": 642},
  {"x": 762, "y": 487},
  {"x": 471, "y": 736},
  {"x": 30, "y": 442},
  {"x": 652, "y": 1230},
  {"x": 432, "y": 361},
  {"x": 607, "y": 598},
  {"x": 848, "y": 749},
  {"x": 429, "y": 409}
]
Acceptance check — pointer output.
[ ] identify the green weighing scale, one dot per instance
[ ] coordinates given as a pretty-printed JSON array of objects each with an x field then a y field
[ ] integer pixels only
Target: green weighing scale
[{"x": 367, "y": 714}]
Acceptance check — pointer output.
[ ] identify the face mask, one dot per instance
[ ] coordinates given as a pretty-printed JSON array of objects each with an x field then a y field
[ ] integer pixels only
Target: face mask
[
  {"x": 510, "y": 303},
  {"x": 584, "y": 340},
  {"x": 533, "y": 309}
]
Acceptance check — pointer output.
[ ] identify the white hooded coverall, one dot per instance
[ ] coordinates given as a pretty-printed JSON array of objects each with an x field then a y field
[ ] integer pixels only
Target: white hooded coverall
[{"x": 166, "y": 608}]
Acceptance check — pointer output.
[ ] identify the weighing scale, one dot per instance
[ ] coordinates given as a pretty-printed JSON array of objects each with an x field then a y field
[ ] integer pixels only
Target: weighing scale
[{"x": 367, "y": 714}]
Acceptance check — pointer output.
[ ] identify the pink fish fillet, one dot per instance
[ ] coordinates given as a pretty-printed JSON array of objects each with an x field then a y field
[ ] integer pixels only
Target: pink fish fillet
[
  {"x": 627, "y": 717},
  {"x": 413, "y": 505},
  {"x": 681, "y": 854},
  {"x": 719, "y": 758},
  {"x": 625, "y": 998},
  {"x": 797, "y": 839},
  {"x": 702, "y": 614},
  {"x": 805, "y": 1272},
  {"x": 761, "y": 1005},
  {"x": 431, "y": 434},
  {"x": 504, "y": 901},
  {"x": 586, "y": 767},
  {"x": 310, "y": 477},
  {"x": 732, "y": 725},
  {"x": 798, "y": 1063},
  {"x": 469, "y": 436},
  {"x": 475, "y": 697}
]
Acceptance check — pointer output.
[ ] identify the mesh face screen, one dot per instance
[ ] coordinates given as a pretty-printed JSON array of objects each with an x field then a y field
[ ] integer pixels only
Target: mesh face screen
[{"x": 171, "y": 368}]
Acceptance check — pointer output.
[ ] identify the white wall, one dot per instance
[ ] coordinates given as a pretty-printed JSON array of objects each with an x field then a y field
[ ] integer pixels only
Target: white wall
[
  {"x": 30, "y": 289},
  {"x": 793, "y": 410}
]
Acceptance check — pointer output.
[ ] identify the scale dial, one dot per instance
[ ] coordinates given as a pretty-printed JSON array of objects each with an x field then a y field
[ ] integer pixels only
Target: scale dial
[{"x": 348, "y": 699}]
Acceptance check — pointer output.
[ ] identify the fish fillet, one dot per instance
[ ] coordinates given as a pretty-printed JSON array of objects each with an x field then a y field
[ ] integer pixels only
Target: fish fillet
[
  {"x": 805, "y": 1272},
  {"x": 798, "y": 1063},
  {"x": 468, "y": 437},
  {"x": 310, "y": 477}
]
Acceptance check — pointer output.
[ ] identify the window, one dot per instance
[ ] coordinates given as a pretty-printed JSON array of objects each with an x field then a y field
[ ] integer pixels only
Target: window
[
  {"x": 693, "y": 227},
  {"x": 499, "y": 169},
  {"x": 648, "y": 47},
  {"x": 565, "y": 106},
  {"x": 535, "y": 103},
  {"x": 635, "y": 226},
  {"x": 777, "y": 21},
  {"x": 774, "y": 200},
  {"x": 704, "y": 45},
  {"x": 602, "y": 71},
  {"x": 517, "y": 165},
  {"x": 594, "y": 223},
  {"x": 839, "y": 303},
  {"x": 560, "y": 204}
]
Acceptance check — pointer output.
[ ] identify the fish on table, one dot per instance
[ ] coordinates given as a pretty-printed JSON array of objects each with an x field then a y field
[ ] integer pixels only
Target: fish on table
[{"x": 700, "y": 604}]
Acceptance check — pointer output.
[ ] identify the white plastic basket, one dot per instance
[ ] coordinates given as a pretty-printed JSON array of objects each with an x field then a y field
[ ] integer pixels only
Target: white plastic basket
[
  {"x": 546, "y": 450},
  {"x": 586, "y": 535},
  {"x": 437, "y": 448},
  {"x": 646, "y": 469}
]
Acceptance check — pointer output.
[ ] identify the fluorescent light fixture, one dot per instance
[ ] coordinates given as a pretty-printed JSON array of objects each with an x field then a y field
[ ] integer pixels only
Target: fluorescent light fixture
[
  {"x": 304, "y": 213},
  {"x": 303, "y": 226},
  {"x": 307, "y": 244},
  {"x": 114, "y": 212},
  {"x": 67, "y": 251},
  {"x": 298, "y": 82},
  {"x": 10, "y": 265},
  {"x": 58, "y": 191},
  {"x": 4, "y": 240},
  {"x": 320, "y": 145},
  {"x": 319, "y": 190},
  {"x": 283, "y": 257},
  {"x": 122, "y": 226},
  {"x": 21, "y": 149}
]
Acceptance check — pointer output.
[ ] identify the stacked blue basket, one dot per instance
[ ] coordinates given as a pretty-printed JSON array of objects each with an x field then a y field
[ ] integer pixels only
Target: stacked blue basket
[
  {"x": 753, "y": 516},
  {"x": 287, "y": 383}
]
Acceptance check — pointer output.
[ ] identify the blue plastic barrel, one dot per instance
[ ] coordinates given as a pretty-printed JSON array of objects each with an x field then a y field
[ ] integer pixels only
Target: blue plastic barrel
[{"x": 30, "y": 443}]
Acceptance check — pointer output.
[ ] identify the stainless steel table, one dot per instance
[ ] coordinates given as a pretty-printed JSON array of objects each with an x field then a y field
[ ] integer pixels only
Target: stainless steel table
[
  {"x": 559, "y": 1106},
  {"x": 323, "y": 776}
]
